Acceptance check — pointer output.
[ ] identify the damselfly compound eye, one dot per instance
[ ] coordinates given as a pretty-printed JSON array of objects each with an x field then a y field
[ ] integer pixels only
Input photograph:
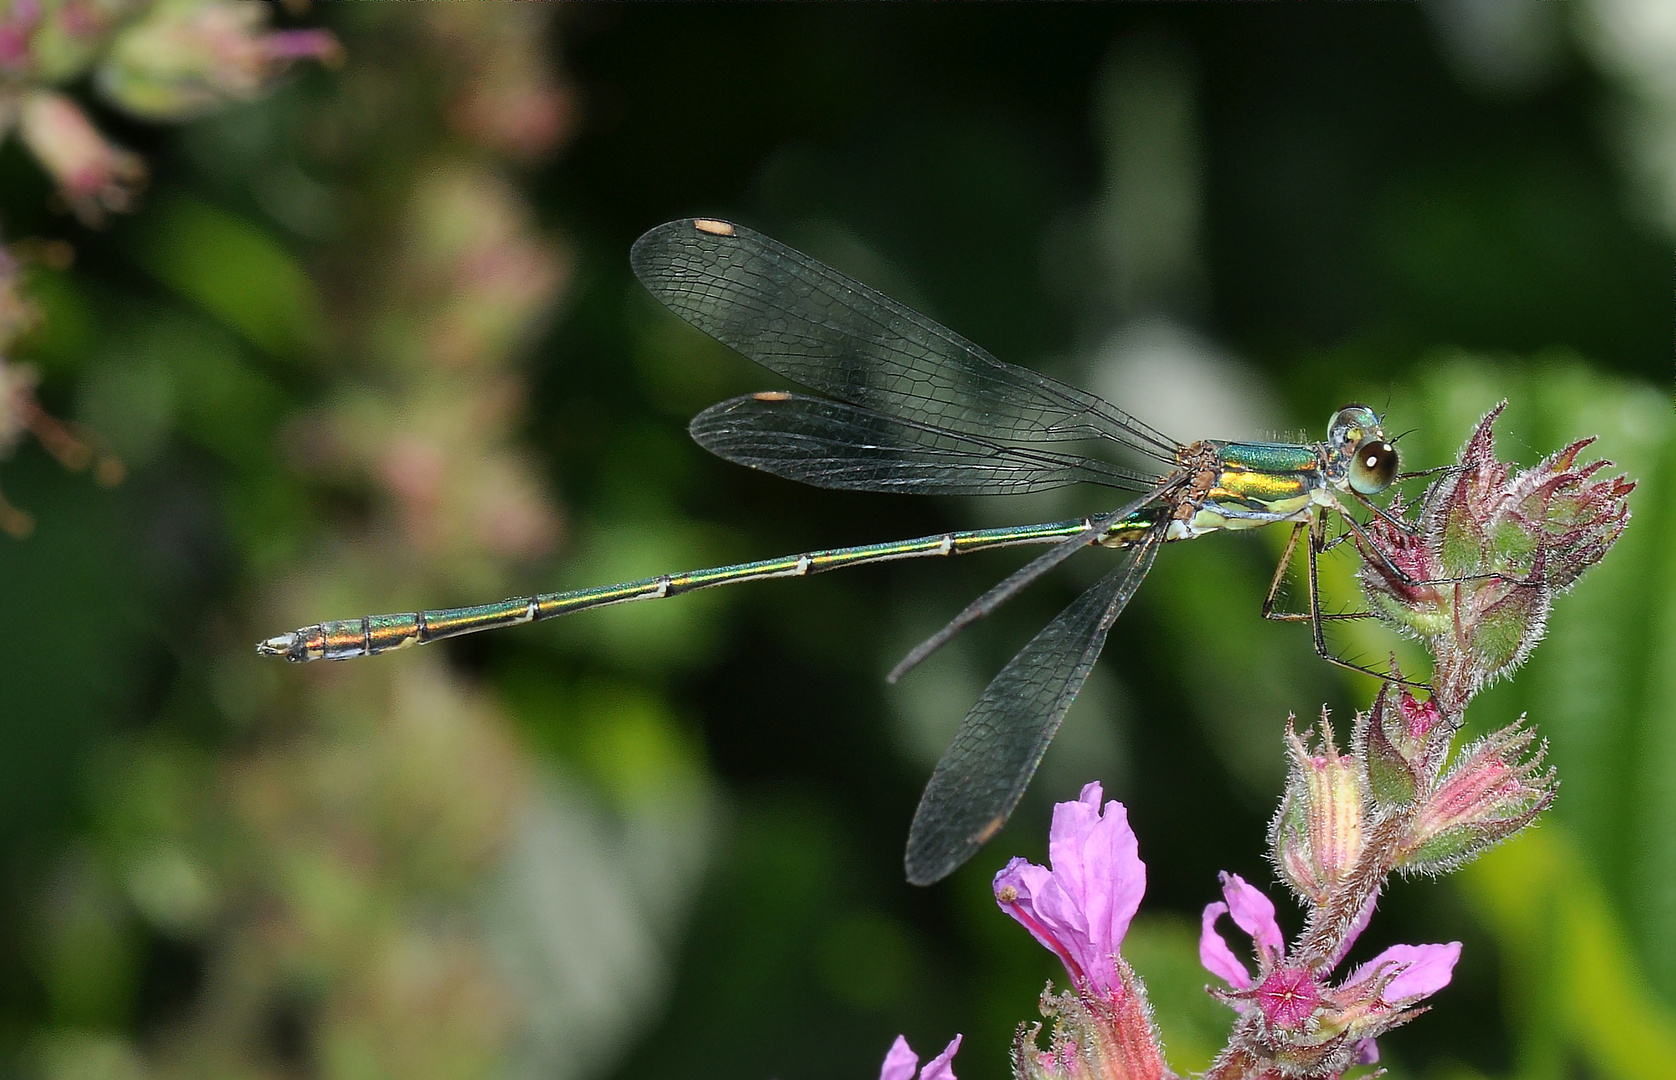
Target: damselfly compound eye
[
  {"x": 1350, "y": 425},
  {"x": 1374, "y": 467}
]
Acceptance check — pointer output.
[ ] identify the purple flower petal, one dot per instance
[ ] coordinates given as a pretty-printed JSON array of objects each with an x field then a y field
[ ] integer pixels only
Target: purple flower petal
[
  {"x": 1367, "y": 1053},
  {"x": 1017, "y": 889},
  {"x": 1096, "y": 861},
  {"x": 901, "y": 1062},
  {"x": 1424, "y": 970},
  {"x": 1254, "y": 913},
  {"x": 1214, "y": 953},
  {"x": 941, "y": 1067},
  {"x": 1082, "y": 907}
]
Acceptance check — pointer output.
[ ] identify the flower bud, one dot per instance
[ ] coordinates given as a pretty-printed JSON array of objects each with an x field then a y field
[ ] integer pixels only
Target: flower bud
[
  {"x": 1095, "y": 1037},
  {"x": 1572, "y": 518},
  {"x": 1316, "y": 836},
  {"x": 1398, "y": 744},
  {"x": 1496, "y": 787},
  {"x": 1476, "y": 574}
]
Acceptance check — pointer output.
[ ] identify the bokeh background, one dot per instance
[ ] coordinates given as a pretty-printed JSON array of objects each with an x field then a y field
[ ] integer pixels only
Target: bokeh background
[{"x": 367, "y": 340}]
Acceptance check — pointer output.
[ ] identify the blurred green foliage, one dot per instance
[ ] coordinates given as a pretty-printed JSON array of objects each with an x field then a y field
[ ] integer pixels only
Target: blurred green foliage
[{"x": 1366, "y": 222}]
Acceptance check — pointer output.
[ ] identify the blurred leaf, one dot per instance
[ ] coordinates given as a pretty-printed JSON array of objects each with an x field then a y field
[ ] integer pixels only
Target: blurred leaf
[
  {"x": 130, "y": 401},
  {"x": 170, "y": 370},
  {"x": 1570, "y": 971},
  {"x": 62, "y": 341},
  {"x": 237, "y": 272},
  {"x": 631, "y": 745},
  {"x": 86, "y": 1055},
  {"x": 1209, "y": 594},
  {"x": 270, "y": 514},
  {"x": 87, "y": 957},
  {"x": 655, "y": 634},
  {"x": 866, "y": 960},
  {"x": 73, "y": 639},
  {"x": 1520, "y": 252}
]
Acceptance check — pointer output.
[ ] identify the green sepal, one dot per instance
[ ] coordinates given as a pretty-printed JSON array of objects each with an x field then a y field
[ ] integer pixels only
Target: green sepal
[
  {"x": 1462, "y": 547},
  {"x": 1501, "y": 631},
  {"x": 1389, "y": 779},
  {"x": 1447, "y": 850},
  {"x": 1511, "y": 545}
]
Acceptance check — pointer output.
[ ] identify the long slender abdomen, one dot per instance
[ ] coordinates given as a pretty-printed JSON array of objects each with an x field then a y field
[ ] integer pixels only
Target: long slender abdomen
[{"x": 346, "y": 639}]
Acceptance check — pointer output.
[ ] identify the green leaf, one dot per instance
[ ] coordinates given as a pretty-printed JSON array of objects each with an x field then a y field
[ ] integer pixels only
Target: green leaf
[
  {"x": 234, "y": 270},
  {"x": 1570, "y": 969}
]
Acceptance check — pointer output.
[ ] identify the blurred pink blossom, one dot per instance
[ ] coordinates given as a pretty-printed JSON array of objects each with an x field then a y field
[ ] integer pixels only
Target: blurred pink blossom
[
  {"x": 16, "y": 26},
  {"x": 189, "y": 57},
  {"x": 94, "y": 175}
]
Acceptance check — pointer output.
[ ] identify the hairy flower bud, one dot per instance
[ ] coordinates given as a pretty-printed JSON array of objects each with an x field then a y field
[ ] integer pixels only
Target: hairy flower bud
[
  {"x": 1475, "y": 576},
  {"x": 1316, "y": 836},
  {"x": 1095, "y": 1037},
  {"x": 1496, "y": 787},
  {"x": 1399, "y": 744}
]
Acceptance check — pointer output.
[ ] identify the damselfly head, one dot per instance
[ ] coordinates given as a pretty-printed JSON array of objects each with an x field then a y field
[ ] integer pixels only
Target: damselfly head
[{"x": 1356, "y": 443}]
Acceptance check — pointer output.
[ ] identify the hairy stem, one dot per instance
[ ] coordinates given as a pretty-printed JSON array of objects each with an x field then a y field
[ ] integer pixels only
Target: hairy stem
[{"x": 1322, "y": 943}]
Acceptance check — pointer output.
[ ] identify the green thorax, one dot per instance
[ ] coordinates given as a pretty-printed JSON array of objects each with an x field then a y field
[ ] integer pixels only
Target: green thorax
[
  {"x": 1255, "y": 484},
  {"x": 1277, "y": 458}
]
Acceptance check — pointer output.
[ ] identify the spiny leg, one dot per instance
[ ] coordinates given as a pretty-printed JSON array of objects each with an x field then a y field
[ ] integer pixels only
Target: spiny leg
[
  {"x": 1420, "y": 473},
  {"x": 1286, "y": 555},
  {"x": 1317, "y": 618},
  {"x": 1280, "y": 575}
]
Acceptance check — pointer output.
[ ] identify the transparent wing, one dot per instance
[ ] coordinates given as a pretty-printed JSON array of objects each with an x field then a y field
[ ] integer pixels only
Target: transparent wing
[
  {"x": 834, "y": 445},
  {"x": 984, "y": 772},
  {"x": 798, "y": 317},
  {"x": 1022, "y": 578}
]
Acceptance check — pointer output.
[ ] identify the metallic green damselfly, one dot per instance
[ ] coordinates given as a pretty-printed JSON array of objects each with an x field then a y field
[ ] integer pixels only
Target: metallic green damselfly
[{"x": 909, "y": 406}]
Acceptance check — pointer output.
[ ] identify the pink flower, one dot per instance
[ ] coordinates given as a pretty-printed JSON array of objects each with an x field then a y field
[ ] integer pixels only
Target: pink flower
[
  {"x": 1080, "y": 909},
  {"x": 1289, "y": 997},
  {"x": 901, "y": 1062},
  {"x": 1416, "y": 971},
  {"x": 1252, "y": 912},
  {"x": 1294, "y": 999},
  {"x": 184, "y": 60}
]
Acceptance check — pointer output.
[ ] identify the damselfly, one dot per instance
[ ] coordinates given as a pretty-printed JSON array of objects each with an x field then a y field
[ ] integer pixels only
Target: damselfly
[{"x": 908, "y": 406}]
